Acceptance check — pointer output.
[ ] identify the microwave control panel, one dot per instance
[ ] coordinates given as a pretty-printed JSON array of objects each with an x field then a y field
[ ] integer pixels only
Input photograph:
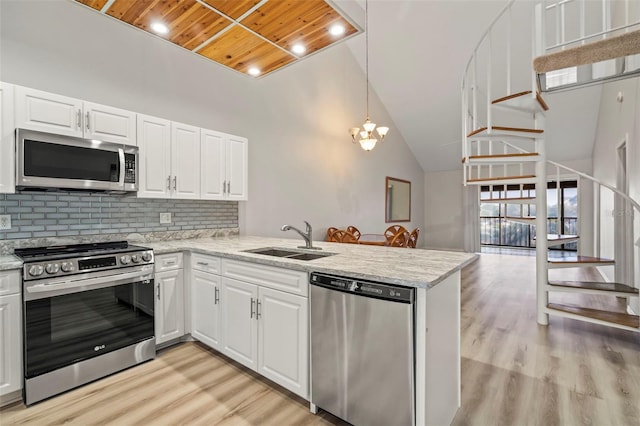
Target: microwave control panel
[{"x": 129, "y": 168}]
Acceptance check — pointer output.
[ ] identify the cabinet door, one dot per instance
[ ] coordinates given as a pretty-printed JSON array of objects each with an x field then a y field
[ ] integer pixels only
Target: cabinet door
[
  {"x": 154, "y": 168},
  {"x": 237, "y": 159},
  {"x": 7, "y": 140},
  {"x": 48, "y": 112},
  {"x": 185, "y": 161},
  {"x": 205, "y": 308},
  {"x": 169, "y": 305},
  {"x": 10, "y": 344},
  {"x": 239, "y": 322},
  {"x": 212, "y": 165},
  {"x": 283, "y": 352},
  {"x": 109, "y": 124}
]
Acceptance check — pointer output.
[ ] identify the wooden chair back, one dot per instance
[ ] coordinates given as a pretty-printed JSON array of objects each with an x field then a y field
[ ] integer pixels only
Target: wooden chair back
[
  {"x": 401, "y": 239},
  {"x": 330, "y": 231},
  {"x": 394, "y": 230},
  {"x": 355, "y": 231},
  {"x": 413, "y": 238},
  {"x": 342, "y": 236}
]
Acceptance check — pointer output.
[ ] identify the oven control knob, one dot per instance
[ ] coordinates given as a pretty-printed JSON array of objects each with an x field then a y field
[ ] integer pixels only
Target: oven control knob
[
  {"x": 146, "y": 256},
  {"x": 36, "y": 270},
  {"x": 135, "y": 258},
  {"x": 66, "y": 266},
  {"x": 125, "y": 260},
  {"x": 52, "y": 268}
]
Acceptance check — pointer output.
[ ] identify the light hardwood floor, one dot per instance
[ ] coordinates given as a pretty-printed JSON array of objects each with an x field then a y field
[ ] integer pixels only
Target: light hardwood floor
[{"x": 514, "y": 372}]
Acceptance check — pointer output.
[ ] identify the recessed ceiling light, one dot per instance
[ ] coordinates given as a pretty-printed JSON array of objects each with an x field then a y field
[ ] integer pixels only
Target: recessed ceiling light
[
  {"x": 298, "y": 49},
  {"x": 337, "y": 29},
  {"x": 160, "y": 28},
  {"x": 254, "y": 71}
]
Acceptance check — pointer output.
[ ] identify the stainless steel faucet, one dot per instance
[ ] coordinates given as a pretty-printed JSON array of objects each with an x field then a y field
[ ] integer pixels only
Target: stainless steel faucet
[{"x": 307, "y": 236}]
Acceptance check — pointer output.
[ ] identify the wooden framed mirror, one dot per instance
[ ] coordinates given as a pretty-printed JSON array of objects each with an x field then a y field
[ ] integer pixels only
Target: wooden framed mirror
[{"x": 397, "y": 200}]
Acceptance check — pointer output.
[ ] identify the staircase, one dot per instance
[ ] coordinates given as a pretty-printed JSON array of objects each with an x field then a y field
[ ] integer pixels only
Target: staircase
[{"x": 504, "y": 144}]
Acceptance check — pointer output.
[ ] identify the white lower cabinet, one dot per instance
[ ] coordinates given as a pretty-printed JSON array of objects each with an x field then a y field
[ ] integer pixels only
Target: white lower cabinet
[
  {"x": 239, "y": 322},
  {"x": 169, "y": 300},
  {"x": 10, "y": 335},
  {"x": 250, "y": 321},
  {"x": 283, "y": 352},
  {"x": 205, "y": 308}
]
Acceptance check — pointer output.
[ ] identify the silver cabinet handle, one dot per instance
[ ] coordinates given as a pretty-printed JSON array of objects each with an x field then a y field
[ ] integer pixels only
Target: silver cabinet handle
[
  {"x": 203, "y": 263},
  {"x": 258, "y": 314},
  {"x": 87, "y": 123},
  {"x": 79, "y": 119},
  {"x": 169, "y": 182},
  {"x": 158, "y": 291},
  {"x": 175, "y": 183},
  {"x": 216, "y": 296},
  {"x": 252, "y": 311},
  {"x": 229, "y": 187},
  {"x": 224, "y": 187}
]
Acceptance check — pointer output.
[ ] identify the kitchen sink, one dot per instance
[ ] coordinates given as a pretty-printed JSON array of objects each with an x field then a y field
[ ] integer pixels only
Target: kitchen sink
[{"x": 288, "y": 253}]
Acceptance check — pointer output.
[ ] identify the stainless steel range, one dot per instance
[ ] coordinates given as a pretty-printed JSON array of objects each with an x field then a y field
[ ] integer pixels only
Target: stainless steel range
[{"x": 88, "y": 313}]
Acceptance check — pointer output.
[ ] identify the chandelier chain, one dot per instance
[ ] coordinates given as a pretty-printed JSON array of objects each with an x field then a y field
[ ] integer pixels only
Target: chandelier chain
[{"x": 366, "y": 34}]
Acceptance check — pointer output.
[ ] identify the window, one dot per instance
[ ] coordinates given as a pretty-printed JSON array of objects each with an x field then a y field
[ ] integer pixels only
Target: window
[{"x": 497, "y": 230}]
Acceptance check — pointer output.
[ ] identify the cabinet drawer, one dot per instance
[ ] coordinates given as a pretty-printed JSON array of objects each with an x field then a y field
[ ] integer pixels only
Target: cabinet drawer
[
  {"x": 167, "y": 262},
  {"x": 295, "y": 282},
  {"x": 9, "y": 282},
  {"x": 202, "y": 262}
]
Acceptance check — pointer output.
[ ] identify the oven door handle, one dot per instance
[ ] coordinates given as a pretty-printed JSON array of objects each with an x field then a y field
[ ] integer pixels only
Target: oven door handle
[{"x": 55, "y": 288}]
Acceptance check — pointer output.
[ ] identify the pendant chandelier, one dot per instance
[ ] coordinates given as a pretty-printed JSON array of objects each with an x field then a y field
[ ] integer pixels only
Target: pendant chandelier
[{"x": 367, "y": 137}]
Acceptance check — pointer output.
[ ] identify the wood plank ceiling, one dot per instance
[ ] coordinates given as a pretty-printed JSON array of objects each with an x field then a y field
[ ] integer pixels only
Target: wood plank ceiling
[{"x": 253, "y": 37}]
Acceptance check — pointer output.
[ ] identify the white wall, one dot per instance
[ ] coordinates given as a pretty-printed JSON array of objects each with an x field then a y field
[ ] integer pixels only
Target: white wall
[
  {"x": 618, "y": 121},
  {"x": 443, "y": 212},
  {"x": 302, "y": 162}
]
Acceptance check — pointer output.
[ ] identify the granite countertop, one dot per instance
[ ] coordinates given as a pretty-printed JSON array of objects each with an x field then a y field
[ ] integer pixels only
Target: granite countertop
[
  {"x": 9, "y": 261},
  {"x": 409, "y": 267}
]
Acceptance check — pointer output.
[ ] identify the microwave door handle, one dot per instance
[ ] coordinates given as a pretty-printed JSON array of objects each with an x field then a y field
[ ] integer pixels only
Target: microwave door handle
[{"x": 122, "y": 167}]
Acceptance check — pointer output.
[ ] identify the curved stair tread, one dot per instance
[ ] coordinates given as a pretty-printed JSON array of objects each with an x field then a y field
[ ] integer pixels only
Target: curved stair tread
[
  {"x": 595, "y": 285},
  {"x": 523, "y": 101},
  {"x": 607, "y": 316},
  {"x": 581, "y": 259},
  {"x": 504, "y": 158},
  {"x": 561, "y": 237},
  {"x": 514, "y": 200},
  {"x": 506, "y": 129},
  {"x": 502, "y": 178}
]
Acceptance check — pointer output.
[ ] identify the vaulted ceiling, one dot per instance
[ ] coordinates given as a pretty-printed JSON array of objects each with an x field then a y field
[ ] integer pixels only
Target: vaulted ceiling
[
  {"x": 249, "y": 36},
  {"x": 417, "y": 53}
]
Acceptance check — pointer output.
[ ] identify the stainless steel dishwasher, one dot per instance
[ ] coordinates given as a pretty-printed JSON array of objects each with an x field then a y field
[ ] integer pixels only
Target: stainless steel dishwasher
[{"x": 362, "y": 350}]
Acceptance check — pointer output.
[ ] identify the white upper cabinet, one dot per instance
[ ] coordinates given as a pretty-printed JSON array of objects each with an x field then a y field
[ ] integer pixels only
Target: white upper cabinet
[
  {"x": 154, "y": 170},
  {"x": 212, "y": 162},
  {"x": 224, "y": 166},
  {"x": 48, "y": 112},
  {"x": 237, "y": 158},
  {"x": 169, "y": 159},
  {"x": 185, "y": 161},
  {"x": 109, "y": 124},
  {"x": 7, "y": 139}
]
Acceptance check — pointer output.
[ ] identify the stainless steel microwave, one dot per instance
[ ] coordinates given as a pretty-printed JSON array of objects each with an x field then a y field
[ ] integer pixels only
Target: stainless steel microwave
[{"x": 46, "y": 161}]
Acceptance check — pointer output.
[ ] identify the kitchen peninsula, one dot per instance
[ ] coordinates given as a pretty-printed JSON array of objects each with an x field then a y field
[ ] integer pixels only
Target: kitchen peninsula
[{"x": 434, "y": 274}]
